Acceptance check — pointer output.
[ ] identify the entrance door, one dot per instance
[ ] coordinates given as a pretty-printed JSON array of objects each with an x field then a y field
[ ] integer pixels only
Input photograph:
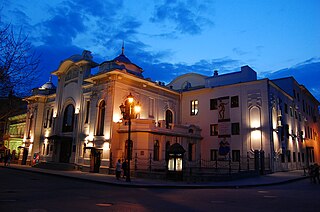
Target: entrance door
[
  {"x": 65, "y": 150},
  {"x": 95, "y": 160}
]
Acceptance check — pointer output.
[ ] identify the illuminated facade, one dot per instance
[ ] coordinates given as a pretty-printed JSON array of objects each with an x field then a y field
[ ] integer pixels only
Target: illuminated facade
[
  {"x": 221, "y": 117},
  {"x": 239, "y": 115},
  {"x": 81, "y": 122}
]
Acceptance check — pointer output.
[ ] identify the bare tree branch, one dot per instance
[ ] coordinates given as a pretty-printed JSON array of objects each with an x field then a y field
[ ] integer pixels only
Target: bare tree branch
[{"x": 18, "y": 62}]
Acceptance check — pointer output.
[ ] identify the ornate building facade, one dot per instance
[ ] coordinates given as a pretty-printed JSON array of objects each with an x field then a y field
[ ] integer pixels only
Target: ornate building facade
[{"x": 210, "y": 118}]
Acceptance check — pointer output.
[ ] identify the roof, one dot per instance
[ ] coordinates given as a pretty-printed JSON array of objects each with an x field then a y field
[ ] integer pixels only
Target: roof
[{"x": 122, "y": 58}]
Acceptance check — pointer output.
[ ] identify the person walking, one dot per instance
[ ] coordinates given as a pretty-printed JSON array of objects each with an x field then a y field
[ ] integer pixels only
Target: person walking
[
  {"x": 5, "y": 161},
  {"x": 9, "y": 159},
  {"x": 118, "y": 169},
  {"x": 124, "y": 168}
]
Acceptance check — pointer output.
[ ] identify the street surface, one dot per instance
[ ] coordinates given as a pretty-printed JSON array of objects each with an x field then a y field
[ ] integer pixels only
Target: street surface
[{"x": 35, "y": 192}]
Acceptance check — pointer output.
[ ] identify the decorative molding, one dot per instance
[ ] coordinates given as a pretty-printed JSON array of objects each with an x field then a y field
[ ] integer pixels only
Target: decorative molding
[{"x": 254, "y": 98}]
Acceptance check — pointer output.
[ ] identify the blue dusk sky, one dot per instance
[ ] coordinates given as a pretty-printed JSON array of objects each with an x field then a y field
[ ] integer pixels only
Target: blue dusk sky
[{"x": 167, "y": 38}]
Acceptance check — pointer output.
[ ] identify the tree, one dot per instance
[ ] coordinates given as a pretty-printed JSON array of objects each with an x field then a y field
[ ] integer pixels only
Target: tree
[{"x": 18, "y": 62}]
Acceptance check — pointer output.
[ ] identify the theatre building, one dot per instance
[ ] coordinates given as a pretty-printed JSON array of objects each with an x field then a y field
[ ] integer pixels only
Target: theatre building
[{"x": 195, "y": 121}]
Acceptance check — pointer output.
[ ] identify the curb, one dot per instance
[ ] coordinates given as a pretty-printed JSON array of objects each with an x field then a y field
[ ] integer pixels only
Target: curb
[{"x": 139, "y": 185}]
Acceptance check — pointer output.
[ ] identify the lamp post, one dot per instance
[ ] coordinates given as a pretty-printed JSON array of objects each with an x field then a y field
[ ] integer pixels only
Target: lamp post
[{"x": 129, "y": 110}]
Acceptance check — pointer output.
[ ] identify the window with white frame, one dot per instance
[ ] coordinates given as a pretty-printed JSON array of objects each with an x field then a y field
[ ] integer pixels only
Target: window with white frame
[{"x": 194, "y": 107}]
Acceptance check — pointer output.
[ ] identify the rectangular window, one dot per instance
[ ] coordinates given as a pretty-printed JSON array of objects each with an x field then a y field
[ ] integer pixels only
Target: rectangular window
[
  {"x": 286, "y": 130},
  {"x": 45, "y": 124},
  {"x": 234, "y": 101},
  {"x": 43, "y": 148},
  {"x": 291, "y": 112},
  {"x": 151, "y": 108},
  {"x": 156, "y": 151},
  {"x": 299, "y": 157},
  {"x": 213, "y": 104},
  {"x": 282, "y": 158},
  {"x": 310, "y": 154},
  {"x": 303, "y": 107},
  {"x": 194, "y": 107},
  {"x": 213, "y": 154},
  {"x": 294, "y": 93},
  {"x": 235, "y": 155},
  {"x": 51, "y": 117},
  {"x": 47, "y": 149},
  {"x": 302, "y": 157},
  {"x": 289, "y": 156},
  {"x": 191, "y": 152},
  {"x": 294, "y": 157},
  {"x": 298, "y": 97},
  {"x": 235, "y": 129},
  {"x": 87, "y": 112},
  {"x": 214, "y": 129},
  {"x": 285, "y": 108}
]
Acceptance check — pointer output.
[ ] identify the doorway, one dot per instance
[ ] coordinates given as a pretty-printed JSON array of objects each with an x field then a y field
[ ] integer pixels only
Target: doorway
[
  {"x": 95, "y": 160},
  {"x": 65, "y": 150}
]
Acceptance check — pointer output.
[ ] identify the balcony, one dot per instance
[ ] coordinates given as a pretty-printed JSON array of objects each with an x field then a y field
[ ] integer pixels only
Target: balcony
[{"x": 148, "y": 125}]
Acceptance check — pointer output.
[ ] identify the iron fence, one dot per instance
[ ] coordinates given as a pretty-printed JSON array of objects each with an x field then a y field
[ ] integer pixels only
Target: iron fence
[{"x": 226, "y": 166}]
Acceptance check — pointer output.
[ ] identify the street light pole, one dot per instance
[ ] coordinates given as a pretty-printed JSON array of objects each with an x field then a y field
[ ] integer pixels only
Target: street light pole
[
  {"x": 129, "y": 148},
  {"x": 129, "y": 111}
]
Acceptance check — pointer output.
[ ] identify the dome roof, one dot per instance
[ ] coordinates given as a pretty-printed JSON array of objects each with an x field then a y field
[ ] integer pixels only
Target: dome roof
[
  {"x": 122, "y": 58},
  {"x": 48, "y": 85}
]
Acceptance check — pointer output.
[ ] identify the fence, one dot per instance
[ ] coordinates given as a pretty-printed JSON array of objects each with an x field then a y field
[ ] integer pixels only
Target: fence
[{"x": 152, "y": 168}]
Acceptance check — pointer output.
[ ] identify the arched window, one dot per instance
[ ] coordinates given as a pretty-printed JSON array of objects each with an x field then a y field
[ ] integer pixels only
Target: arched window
[
  {"x": 68, "y": 119},
  {"x": 101, "y": 113},
  {"x": 156, "y": 151},
  {"x": 169, "y": 119}
]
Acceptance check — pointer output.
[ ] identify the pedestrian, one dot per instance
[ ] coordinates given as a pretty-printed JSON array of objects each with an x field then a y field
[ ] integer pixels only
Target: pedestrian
[
  {"x": 13, "y": 155},
  {"x": 9, "y": 159},
  {"x": 5, "y": 161},
  {"x": 118, "y": 169},
  {"x": 311, "y": 172},
  {"x": 316, "y": 173},
  {"x": 124, "y": 168}
]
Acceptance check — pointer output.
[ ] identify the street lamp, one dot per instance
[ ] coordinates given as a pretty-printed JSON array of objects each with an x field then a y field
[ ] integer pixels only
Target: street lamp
[{"x": 129, "y": 110}]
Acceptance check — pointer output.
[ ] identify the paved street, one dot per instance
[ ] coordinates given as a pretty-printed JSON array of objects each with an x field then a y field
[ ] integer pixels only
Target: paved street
[{"x": 28, "y": 191}]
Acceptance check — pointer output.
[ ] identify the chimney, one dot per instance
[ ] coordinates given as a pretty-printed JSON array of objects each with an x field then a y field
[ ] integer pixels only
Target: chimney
[{"x": 215, "y": 73}]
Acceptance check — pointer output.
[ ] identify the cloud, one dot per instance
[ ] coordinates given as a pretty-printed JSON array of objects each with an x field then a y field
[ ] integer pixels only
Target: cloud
[
  {"x": 304, "y": 73},
  {"x": 18, "y": 15},
  {"x": 239, "y": 52},
  {"x": 51, "y": 58},
  {"x": 62, "y": 29},
  {"x": 95, "y": 8},
  {"x": 188, "y": 18},
  {"x": 164, "y": 71}
]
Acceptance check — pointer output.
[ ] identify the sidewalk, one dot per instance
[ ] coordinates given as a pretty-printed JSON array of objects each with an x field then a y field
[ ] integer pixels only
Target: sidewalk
[{"x": 265, "y": 180}]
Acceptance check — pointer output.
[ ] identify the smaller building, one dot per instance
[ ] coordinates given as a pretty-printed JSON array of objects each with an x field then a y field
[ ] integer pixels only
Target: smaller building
[{"x": 13, "y": 139}]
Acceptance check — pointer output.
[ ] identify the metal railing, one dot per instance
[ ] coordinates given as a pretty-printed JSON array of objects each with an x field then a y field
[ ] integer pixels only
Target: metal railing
[{"x": 200, "y": 166}]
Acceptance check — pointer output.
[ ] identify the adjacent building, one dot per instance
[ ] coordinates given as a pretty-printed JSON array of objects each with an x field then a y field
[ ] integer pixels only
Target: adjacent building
[{"x": 195, "y": 121}]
